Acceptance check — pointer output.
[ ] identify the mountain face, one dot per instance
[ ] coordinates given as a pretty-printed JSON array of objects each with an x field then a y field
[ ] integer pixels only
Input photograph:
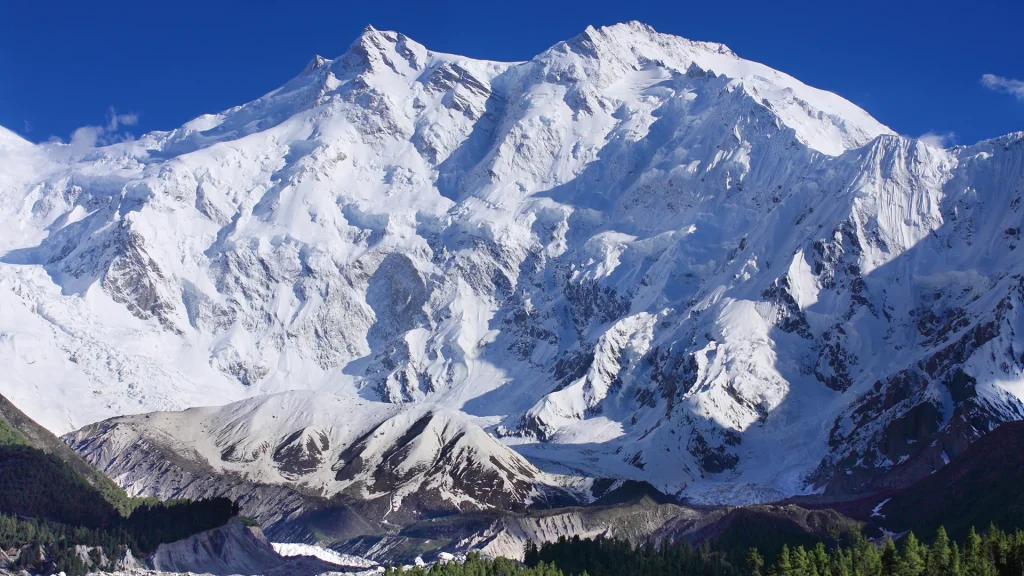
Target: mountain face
[
  {"x": 409, "y": 274},
  {"x": 981, "y": 487}
]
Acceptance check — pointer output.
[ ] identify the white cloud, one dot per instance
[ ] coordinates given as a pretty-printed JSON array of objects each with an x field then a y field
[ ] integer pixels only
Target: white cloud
[
  {"x": 1003, "y": 84},
  {"x": 117, "y": 120},
  {"x": 91, "y": 136},
  {"x": 86, "y": 137},
  {"x": 940, "y": 139}
]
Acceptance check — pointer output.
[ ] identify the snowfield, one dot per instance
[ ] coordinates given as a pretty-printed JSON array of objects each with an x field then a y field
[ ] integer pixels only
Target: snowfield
[
  {"x": 422, "y": 277},
  {"x": 326, "y": 554}
]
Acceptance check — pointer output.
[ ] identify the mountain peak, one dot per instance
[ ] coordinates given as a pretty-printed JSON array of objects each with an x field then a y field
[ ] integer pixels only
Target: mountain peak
[
  {"x": 316, "y": 63},
  {"x": 375, "y": 48},
  {"x": 604, "y": 57},
  {"x": 628, "y": 34},
  {"x": 375, "y": 36}
]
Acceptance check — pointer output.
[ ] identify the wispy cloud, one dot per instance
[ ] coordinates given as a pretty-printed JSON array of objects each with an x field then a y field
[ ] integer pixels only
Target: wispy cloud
[
  {"x": 112, "y": 132},
  {"x": 116, "y": 120},
  {"x": 1003, "y": 84},
  {"x": 940, "y": 139}
]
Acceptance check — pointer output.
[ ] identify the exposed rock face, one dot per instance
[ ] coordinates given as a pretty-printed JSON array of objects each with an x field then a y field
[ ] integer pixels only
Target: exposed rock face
[
  {"x": 506, "y": 534},
  {"x": 634, "y": 256},
  {"x": 637, "y": 521},
  {"x": 232, "y": 549}
]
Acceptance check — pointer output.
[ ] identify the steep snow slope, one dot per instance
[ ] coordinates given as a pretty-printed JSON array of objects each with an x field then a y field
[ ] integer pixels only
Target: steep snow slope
[{"x": 634, "y": 256}]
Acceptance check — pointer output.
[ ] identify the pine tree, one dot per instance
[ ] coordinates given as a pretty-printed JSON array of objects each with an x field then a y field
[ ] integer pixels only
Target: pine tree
[
  {"x": 531, "y": 557},
  {"x": 798, "y": 558},
  {"x": 890, "y": 558},
  {"x": 784, "y": 566},
  {"x": 975, "y": 560},
  {"x": 939, "y": 561},
  {"x": 867, "y": 559},
  {"x": 914, "y": 554},
  {"x": 755, "y": 562},
  {"x": 820, "y": 560}
]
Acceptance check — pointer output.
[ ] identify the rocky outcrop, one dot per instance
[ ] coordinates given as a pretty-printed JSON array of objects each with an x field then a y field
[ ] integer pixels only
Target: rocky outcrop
[{"x": 232, "y": 549}]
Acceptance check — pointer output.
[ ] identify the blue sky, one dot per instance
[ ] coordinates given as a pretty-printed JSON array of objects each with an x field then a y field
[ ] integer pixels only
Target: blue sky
[{"x": 916, "y": 66}]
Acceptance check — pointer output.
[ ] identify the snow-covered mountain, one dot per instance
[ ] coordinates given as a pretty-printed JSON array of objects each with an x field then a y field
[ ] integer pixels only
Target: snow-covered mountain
[{"x": 633, "y": 256}]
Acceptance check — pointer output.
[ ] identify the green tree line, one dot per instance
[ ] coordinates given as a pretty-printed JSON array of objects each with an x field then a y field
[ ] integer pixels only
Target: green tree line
[
  {"x": 45, "y": 547},
  {"x": 49, "y": 546},
  {"x": 614, "y": 557},
  {"x": 476, "y": 565},
  {"x": 996, "y": 553}
]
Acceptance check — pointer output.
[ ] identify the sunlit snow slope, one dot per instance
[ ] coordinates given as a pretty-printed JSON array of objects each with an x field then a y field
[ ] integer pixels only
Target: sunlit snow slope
[{"x": 634, "y": 256}]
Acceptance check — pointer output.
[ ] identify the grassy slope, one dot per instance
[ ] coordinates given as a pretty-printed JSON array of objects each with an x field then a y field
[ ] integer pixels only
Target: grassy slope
[
  {"x": 34, "y": 484},
  {"x": 18, "y": 429}
]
